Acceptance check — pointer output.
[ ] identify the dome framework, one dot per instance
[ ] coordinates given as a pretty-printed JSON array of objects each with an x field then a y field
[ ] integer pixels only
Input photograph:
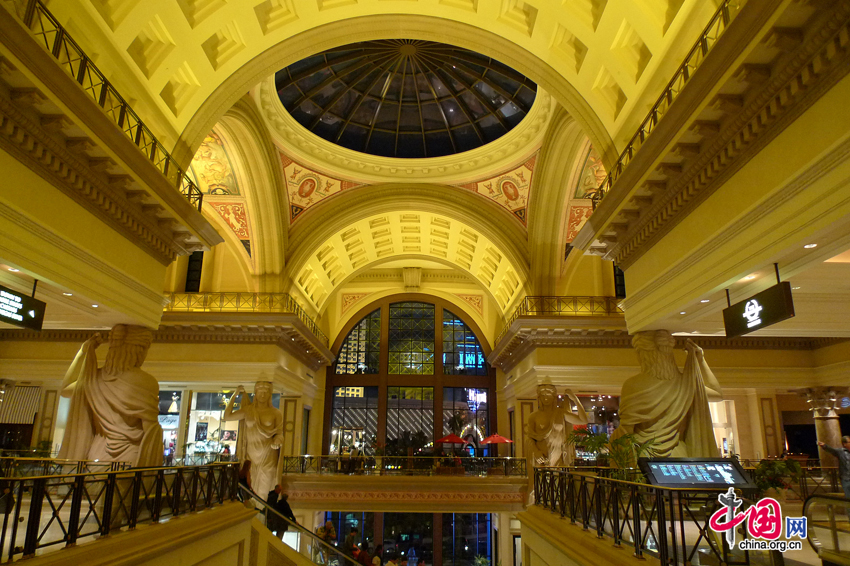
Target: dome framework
[{"x": 405, "y": 98}]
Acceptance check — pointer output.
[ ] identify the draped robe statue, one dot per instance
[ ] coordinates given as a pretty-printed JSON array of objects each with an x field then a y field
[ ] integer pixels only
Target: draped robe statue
[
  {"x": 263, "y": 435},
  {"x": 114, "y": 410},
  {"x": 667, "y": 405},
  {"x": 549, "y": 426}
]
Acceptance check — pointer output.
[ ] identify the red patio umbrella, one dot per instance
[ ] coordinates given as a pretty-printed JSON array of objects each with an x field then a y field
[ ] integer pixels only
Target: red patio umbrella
[
  {"x": 450, "y": 439},
  {"x": 496, "y": 439}
]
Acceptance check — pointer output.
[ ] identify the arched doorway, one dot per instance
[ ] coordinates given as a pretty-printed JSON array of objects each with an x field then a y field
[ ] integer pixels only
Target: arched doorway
[{"x": 410, "y": 369}]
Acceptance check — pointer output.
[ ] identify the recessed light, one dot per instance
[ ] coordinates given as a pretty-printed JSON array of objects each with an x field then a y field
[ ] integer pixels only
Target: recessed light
[
  {"x": 810, "y": 246},
  {"x": 705, "y": 300},
  {"x": 13, "y": 270},
  {"x": 94, "y": 306},
  {"x": 749, "y": 277},
  {"x": 68, "y": 294},
  {"x": 795, "y": 288},
  {"x": 683, "y": 312},
  {"x": 695, "y": 332}
]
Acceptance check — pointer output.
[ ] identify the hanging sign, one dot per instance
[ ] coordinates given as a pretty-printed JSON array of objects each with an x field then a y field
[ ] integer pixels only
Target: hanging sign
[
  {"x": 759, "y": 311},
  {"x": 20, "y": 310}
]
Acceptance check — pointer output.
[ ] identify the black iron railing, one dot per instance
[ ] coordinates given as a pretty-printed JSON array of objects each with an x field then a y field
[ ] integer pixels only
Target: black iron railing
[
  {"x": 562, "y": 306},
  {"x": 725, "y": 13},
  {"x": 46, "y": 511},
  {"x": 73, "y": 60},
  {"x": 308, "y": 544},
  {"x": 243, "y": 302},
  {"x": 405, "y": 465},
  {"x": 668, "y": 523},
  {"x": 29, "y": 467}
]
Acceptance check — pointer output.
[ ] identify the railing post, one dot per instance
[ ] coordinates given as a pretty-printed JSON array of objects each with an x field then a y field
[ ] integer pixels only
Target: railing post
[
  {"x": 134, "y": 503},
  {"x": 108, "y": 497},
  {"x": 615, "y": 513},
  {"x": 193, "y": 497},
  {"x": 76, "y": 506},
  {"x": 29, "y": 13},
  {"x": 175, "y": 493},
  {"x": 661, "y": 522},
  {"x": 636, "y": 520},
  {"x": 34, "y": 519},
  {"x": 157, "y": 499},
  {"x": 600, "y": 493},
  {"x": 57, "y": 41},
  {"x": 209, "y": 493}
]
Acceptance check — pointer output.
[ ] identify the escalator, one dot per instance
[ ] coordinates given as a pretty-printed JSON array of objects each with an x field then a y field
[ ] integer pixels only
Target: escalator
[
  {"x": 828, "y": 523},
  {"x": 298, "y": 543}
]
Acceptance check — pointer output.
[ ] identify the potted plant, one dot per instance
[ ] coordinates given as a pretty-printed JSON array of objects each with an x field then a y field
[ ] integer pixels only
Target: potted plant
[
  {"x": 588, "y": 441},
  {"x": 378, "y": 450},
  {"x": 773, "y": 477}
]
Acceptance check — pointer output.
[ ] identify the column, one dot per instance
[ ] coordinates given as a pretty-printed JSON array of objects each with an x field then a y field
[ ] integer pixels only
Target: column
[{"x": 824, "y": 401}]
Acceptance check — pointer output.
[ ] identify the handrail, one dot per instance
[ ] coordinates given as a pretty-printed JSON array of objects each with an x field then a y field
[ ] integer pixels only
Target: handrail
[
  {"x": 719, "y": 22},
  {"x": 73, "y": 60},
  {"x": 831, "y": 526},
  {"x": 562, "y": 306},
  {"x": 55, "y": 509},
  {"x": 242, "y": 302},
  {"x": 54, "y": 466},
  {"x": 408, "y": 465},
  {"x": 328, "y": 548}
]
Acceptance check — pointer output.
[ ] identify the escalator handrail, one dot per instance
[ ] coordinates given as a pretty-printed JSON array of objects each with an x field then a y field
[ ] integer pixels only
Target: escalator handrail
[
  {"x": 300, "y": 528},
  {"x": 813, "y": 541}
]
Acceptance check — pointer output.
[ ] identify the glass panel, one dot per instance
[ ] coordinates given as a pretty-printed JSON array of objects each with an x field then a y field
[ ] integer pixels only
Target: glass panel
[
  {"x": 411, "y": 339},
  {"x": 345, "y": 524},
  {"x": 465, "y": 413},
  {"x": 360, "y": 351},
  {"x": 354, "y": 419},
  {"x": 408, "y": 538},
  {"x": 410, "y": 420},
  {"x": 465, "y": 537},
  {"x": 462, "y": 354}
]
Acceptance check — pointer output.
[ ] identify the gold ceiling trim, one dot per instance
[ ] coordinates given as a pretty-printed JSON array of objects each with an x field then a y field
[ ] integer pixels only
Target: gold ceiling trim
[{"x": 480, "y": 163}]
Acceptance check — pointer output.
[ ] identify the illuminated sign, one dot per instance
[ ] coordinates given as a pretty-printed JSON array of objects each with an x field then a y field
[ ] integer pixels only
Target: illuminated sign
[
  {"x": 759, "y": 311},
  {"x": 20, "y": 310}
]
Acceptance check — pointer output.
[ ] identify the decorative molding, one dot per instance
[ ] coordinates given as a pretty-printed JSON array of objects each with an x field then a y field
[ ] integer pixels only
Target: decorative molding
[
  {"x": 306, "y": 187},
  {"x": 371, "y": 169},
  {"x": 409, "y": 496},
  {"x": 510, "y": 189}
]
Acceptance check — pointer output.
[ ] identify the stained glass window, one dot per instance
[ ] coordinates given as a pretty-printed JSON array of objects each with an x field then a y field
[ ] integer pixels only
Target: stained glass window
[
  {"x": 462, "y": 353},
  {"x": 411, "y": 340},
  {"x": 361, "y": 350}
]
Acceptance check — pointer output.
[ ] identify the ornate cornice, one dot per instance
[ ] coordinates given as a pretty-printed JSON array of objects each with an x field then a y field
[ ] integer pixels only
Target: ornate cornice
[
  {"x": 361, "y": 167},
  {"x": 811, "y": 60}
]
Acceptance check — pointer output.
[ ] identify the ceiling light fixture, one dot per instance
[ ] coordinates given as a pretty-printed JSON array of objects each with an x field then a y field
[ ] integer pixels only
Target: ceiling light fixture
[
  {"x": 683, "y": 312},
  {"x": 13, "y": 270},
  {"x": 94, "y": 306},
  {"x": 68, "y": 294},
  {"x": 795, "y": 288},
  {"x": 810, "y": 246},
  {"x": 749, "y": 277},
  {"x": 705, "y": 300}
]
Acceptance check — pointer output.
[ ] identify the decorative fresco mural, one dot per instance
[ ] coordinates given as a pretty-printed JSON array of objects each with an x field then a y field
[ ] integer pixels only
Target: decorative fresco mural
[
  {"x": 474, "y": 301},
  {"x": 509, "y": 189},
  {"x": 307, "y": 187},
  {"x": 235, "y": 215},
  {"x": 212, "y": 170},
  {"x": 592, "y": 175},
  {"x": 348, "y": 299},
  {"x": 578, "y": 213}
]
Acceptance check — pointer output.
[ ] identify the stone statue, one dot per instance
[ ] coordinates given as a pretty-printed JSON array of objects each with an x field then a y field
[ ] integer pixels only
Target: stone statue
[
  {"x": 114, "y": 409},
  {"x": 263, "y": 435},
  {"x": 667, "y": 405},
  {"x": 549, "y": 427}
]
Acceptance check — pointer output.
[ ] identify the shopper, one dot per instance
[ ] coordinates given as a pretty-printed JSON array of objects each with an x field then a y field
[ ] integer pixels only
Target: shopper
[
  {"x": 326, "y": 533},
  {"x": 363, "y": 556},
  {"x": 351, "y": 542},
  {"x": 376, "y": 559},
  {"x": 278, "y": 502},
  {"x": 843, "y": 456}
]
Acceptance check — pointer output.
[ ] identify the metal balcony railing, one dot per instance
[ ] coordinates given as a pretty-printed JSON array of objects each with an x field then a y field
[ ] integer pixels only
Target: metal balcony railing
[
  {"x": 562, "y": 306},
  {"x": 72, "y": 59},
  {"x": 707, "y": 39},
  {"x": 406, "y": 465},
  {"x": 243, "y": 302}
]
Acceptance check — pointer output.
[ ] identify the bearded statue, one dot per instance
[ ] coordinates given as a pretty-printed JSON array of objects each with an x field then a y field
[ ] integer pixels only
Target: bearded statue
[
  {"x": 114, "y": 410},
  {"x": 263, "y": 436},
  {"x": 667, "y": 405}
]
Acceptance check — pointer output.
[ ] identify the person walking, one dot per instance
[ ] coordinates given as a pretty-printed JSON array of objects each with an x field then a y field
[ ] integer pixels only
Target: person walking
[
  {"x": 843, "y": 456},
  {"x": 277, "y": 501},
  {"x": 351, "y": 541}
]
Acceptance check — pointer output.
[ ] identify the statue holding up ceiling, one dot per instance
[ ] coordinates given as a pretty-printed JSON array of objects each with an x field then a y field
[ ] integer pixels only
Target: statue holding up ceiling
[
  {"x": 667, "y": 405},
  {"x": 263, "y": 435},
  {"x": 550, "y": 425},
  {"x": 114, "y": 410}
]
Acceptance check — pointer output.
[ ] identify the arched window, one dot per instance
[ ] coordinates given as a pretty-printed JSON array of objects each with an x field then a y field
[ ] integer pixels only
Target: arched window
[
  {"x": 360, "y": 353},
  {"x": 399, "y": 385}
]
